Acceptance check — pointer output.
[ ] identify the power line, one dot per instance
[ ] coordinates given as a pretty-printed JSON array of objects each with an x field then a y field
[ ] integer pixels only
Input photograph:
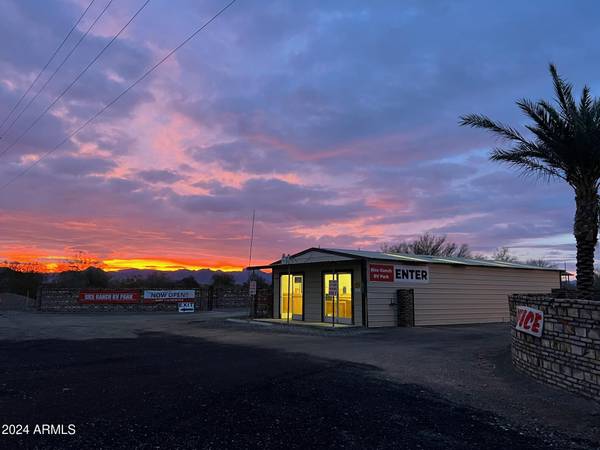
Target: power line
[
  {"x": 46, "y": 66},
  {"x": 51, "y": 78},
  {"x": 113, "y": 101},
  {"x": 76, "y": 79}
]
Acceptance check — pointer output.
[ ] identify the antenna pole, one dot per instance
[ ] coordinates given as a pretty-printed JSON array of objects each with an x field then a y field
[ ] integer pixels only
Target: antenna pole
[
  {"x": 251, "y": 237},
  {"x": 252, "y": 275}
]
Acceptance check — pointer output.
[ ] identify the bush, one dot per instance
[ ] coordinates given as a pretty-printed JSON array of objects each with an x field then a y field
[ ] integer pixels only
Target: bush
[{"x": 22, "y": 283}]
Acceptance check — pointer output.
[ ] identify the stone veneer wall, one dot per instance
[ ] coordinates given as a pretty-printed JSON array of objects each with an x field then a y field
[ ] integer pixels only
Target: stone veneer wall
[{"x": 568, "y": 352}]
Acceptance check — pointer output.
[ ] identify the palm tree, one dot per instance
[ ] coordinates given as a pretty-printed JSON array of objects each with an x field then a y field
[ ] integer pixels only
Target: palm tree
[{"x": 564, "y": 143}]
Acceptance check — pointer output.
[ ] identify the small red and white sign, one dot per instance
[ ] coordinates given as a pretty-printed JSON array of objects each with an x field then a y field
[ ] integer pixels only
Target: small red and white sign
[
  {"x": 116, "y": 296},
  {"x": 381, "y": 272},
  {"x": 530, "y": 320},
  {"x": 399, "y": 274}
]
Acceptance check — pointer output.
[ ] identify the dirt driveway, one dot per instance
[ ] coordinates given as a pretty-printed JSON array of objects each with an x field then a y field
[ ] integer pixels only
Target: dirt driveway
[{"x": 457, "y": 383}]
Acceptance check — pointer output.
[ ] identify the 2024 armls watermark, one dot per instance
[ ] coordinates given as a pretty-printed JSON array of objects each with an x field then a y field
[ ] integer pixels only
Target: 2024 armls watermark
[{"x": 42, "y": 429}]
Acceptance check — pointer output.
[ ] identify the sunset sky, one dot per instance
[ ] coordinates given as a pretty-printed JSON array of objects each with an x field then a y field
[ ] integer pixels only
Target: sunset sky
[{"x": 337, "y": 121}]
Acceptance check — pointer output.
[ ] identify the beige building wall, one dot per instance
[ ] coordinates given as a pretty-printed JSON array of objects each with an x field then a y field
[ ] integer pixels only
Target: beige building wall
[{"x": 459, "y": 294}]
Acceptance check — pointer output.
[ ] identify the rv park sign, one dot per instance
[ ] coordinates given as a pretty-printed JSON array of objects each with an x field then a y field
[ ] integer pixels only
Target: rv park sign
[{"x": 390, "y": 273}]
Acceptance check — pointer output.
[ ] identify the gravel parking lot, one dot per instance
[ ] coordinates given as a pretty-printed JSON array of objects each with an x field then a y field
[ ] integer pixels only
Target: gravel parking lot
[{"x": 199, "y": 381}]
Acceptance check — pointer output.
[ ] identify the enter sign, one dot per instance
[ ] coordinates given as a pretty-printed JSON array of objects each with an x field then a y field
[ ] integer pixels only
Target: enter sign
[{"x": 530, "y": 320}]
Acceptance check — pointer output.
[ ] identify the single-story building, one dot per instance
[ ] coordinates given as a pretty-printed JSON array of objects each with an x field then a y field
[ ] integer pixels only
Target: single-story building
[{"x": 376, "y": 289}]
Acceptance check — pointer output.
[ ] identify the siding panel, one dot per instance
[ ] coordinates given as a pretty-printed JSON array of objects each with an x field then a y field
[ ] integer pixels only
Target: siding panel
[{"x": 459, "y": 295}]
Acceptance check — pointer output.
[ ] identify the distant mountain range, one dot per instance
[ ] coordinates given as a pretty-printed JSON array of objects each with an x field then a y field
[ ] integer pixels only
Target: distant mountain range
[{"x": 203, "y": 276}]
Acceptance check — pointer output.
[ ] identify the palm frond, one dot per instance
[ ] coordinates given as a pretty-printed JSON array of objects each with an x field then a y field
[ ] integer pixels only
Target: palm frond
[
  {"x": 528, "y": 162},
  {"x": 585, "y": 102},
  {"x": 564, "y": 94},
  {"x": 484, "y": 122}
]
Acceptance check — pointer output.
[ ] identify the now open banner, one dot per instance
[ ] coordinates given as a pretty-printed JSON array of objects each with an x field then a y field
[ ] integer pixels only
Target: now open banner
[
  {"x": 400, "y": 274},
  {"x": 173, "y": 295}
]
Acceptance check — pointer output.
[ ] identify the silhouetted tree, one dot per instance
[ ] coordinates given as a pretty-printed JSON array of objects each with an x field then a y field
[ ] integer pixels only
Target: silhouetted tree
[
  {"x": 540, "y": 263},
  {"x": 81, "y": 261},
  {"x": 188, "y": 283},
  {"x": 20, "y": 282},
  {"x": 503, "y": 254},
  {"x": 90, "y": 277},
  {"x": 222, "y": 280},
  {"x": 564, "y": 144},
  {"x": 261, "y": 283},
  {"x": 429, "y": 244},
  {"x": 157, "y": 280}
]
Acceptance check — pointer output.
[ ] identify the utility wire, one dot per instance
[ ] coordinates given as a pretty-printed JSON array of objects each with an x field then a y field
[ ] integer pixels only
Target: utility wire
[
  {"x": 48, "y": 81},
  {"x": 113, "y": 101},
  {"x": 46, "y": 66},
  {"x": 76, "y": 79}
]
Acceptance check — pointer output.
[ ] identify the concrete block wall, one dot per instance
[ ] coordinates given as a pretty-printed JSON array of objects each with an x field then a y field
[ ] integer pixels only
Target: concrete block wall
[
  {"x": 567, "y": 354},
  {"x": 232, "y": 297},
  {"x": 263, "y": 304},
  {"x": 53, "y": 299}
]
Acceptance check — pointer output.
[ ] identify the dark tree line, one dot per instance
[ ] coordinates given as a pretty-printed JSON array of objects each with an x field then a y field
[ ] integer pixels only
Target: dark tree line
[{"x": 26, "y": 281}]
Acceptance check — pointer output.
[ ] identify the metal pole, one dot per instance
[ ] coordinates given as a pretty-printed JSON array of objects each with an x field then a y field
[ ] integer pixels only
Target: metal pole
[
  {"x": 251, "y": 237},
  {"x": 333, "y": 301},
  {"x": 338, "y": 295},
  {"x": 252, "y": 297},
  {"x": 289, "y": 287}
]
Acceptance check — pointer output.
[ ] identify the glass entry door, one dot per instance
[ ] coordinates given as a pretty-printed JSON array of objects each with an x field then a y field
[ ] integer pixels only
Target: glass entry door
[
  {"x": 338, "y": 308},
  {"x": 292, "y": 296}
]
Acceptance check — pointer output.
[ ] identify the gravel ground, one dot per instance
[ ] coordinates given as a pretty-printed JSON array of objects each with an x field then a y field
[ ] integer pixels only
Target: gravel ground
[{"x": 167, "y": 381}]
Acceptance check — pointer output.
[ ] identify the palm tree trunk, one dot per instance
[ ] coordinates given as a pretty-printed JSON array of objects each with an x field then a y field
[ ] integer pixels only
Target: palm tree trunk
[{"x": 586, "y": 236}]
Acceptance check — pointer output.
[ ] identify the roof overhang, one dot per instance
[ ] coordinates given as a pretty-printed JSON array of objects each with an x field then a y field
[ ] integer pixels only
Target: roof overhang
[{"x": 397, "y": 258}]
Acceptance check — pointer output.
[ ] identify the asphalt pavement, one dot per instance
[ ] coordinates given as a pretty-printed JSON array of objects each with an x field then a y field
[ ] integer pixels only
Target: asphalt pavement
[{"x": 211, "y": 384}]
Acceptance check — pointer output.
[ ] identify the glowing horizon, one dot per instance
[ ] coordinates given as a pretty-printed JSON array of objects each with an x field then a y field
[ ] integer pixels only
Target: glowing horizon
[{"x": 45, "y": 264}]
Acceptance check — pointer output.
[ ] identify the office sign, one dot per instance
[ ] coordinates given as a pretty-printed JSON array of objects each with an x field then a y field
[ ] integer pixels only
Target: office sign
[
  {"x": 399, "y": 274},
  {"x": 381, "y": 272},
  {"x": 530, "y": 320},
  {"x": 169, "y": 295},
  {"x": 186, "y": 307},
  {"x": 333, "y": 288},
  {"x": 109, "y": 296}
]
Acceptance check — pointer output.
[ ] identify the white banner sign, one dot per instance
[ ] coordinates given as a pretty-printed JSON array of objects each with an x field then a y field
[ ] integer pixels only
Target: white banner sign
[
  {"x": 253, "y": 287},
  {"x": 186, "y": 307},
  {"x": 170, "y": 294},
  {"x": 530, "y": 320}
]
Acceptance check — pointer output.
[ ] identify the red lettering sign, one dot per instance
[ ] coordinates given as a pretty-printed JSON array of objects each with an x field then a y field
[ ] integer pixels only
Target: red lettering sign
[
  {"x": 529, "y": 320},
  {"x": 109, "y": 296},
  {"x": 381, "y": 272}
]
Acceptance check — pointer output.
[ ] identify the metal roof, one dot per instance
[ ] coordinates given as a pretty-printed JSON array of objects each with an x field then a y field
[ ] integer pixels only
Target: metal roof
[{"x": 406, "y": 258}]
